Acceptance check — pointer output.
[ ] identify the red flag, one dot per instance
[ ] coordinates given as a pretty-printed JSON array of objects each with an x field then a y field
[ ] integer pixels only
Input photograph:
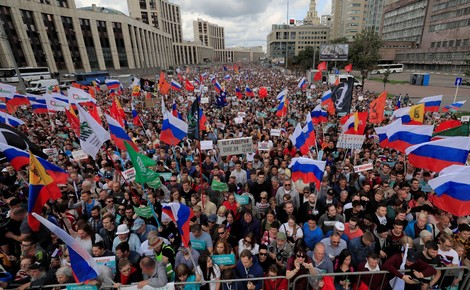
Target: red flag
[
  {"x": 348, "y": 68},
  {"x": 93, "y": 110},
  {"x": 263, "y": 92},
  {"x": 337, "y": 81},
  {"x": 377, "y": 108},
  {"x": 73, "y": 120},
  {"x": 321, "y": 66},
  {"x": 163, "y": 85},
  {"x": 446, "y": 125},
  {"x": 317, "y": 76},
  {"x": 117, "y": 112},
  {"x": 180, "y": 78},
  {"x": 188, "y": 86}
]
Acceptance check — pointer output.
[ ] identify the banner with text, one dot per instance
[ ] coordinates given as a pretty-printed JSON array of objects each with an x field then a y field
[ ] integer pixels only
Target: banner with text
[
  {"x": 349, "y": 141},
  {"x": 235, "y": 146}
]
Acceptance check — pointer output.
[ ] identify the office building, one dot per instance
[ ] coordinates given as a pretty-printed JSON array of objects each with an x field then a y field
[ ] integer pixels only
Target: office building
[
  {"x": 348, "y": 18},
  {"x": 209, "y": 34}
]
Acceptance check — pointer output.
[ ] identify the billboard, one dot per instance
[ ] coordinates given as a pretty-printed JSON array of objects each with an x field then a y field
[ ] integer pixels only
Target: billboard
[{"x": 334, "y": 51}]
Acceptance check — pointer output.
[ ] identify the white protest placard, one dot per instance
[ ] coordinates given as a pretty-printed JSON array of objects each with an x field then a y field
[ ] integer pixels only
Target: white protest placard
[
  {"x": 207, "y": 145},
  {"x": 350, "y": 141},
  {"x": 235, "y": 103},
  {"x": 220, "y": 125},
  {"x": 263, "y": 146},
  {"x": 238, "y": 120},
  {"x": 235, "y": 146},
  {"x": 204, "y": 100},
  {"x": 276, "y": 132},
  {"x": 363, "y": 167},
  {"x": 51, "y": 152},
  {"x": 465, "y": 118},
  {"x": 79, "y": 155},
  {"x": 108, "y": 261},
  {"x": 129, "y": 174},
  {"x": 241, "y": 114}
]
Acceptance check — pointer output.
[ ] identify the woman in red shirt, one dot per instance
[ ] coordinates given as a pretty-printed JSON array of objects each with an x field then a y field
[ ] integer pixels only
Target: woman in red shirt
[{"x": 275, "y": 283}]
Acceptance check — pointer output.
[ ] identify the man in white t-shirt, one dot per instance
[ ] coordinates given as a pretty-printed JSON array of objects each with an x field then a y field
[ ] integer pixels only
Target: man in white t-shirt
[{"x": 449, "y": 256}]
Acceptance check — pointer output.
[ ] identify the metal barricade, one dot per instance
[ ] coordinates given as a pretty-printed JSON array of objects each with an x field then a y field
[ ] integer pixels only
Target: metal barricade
[{"x": 462, "y": 272}]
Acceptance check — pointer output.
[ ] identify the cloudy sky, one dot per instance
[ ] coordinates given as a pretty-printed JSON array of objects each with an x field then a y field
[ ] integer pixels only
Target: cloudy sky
[{"x": 246, "y": 22}]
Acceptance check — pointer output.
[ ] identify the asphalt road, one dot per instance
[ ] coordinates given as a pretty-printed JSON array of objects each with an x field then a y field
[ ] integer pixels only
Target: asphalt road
[{"x": 439, "y": 84}]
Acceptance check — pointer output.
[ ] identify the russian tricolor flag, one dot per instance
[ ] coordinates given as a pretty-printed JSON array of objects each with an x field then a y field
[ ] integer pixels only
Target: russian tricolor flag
[
  {"x": 84, "y": 267},
  {"x": 173, "y": 129},
  {"x": 437, "y": 155},
  {"x": 298, "y": 140},
  {"x": 309, "y": 131},
  {"x": 382, "y": 134},
  {"x": 302, "y": 84},
  {"x": 181, "y": 214},
  {"x": 175, "y": 112},
  {"x": 402, "y": 136},
  {"x": 39, "y": 107},
  {"x": 308, "y": 170},
  {"x": 119, "y": 135},
  {"x": 238, "y": 93},
  {"x": 318, "y": 115},
  {"x": 249, "y": 92},
  {"x": 431, "y": 104},
  {"x": 227, "y": 78},
  {"x": 10, "y": 120},
  {"x": 217, "y": 87},
  {"x": 135, "y": 117},
  {"x": 282, "y": 108},
  {"x": 452, "y": 188},
  {"x": 327, "y": 102},
  {"x": 113, "y": 84},
  {"x": 454, "y": 106},
  {"x": 175, "y": 85},
  {"x": 213, "y": 80}
]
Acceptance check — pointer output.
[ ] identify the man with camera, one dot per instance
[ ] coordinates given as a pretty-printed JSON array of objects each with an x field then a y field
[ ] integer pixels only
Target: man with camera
[{"x": 280, "y": 250}]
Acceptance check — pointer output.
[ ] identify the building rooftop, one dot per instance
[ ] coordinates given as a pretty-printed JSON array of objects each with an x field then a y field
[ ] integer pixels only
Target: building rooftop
[{"x": 102, "y": 9}]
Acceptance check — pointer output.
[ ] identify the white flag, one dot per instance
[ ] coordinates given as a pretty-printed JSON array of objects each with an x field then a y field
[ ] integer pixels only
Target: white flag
[
  {"x": 55, "y": 105},
  {"x": 92, "y": 134},
  {"x": 6, "y": 90},
  {"x": 77, "y": 95}
]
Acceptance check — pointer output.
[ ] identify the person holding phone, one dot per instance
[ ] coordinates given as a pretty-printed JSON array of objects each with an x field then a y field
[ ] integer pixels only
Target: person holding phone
[{"x": 300, "y": 264}]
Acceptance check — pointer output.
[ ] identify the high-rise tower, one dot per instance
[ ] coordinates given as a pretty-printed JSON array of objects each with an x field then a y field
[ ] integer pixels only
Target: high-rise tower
[{"x": 312, "y": 17}]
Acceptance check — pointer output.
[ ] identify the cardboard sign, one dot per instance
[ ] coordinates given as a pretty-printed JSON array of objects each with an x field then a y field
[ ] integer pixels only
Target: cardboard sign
[
  {"x": 207, "y": 145},
  {"x": 276, "y": 132},
  {"x": 263, "y": 146},
  {"x": 241, "y": 114},
  {"x": 465, "y": 118},
  {"x": 363, "y": 167},
  {"x": 235, "y": 146},
  {"x": 129, "y": 174},
  {"x": 52, "y": 152},
  {"x": 238, "y": 120},
  {"x": 228, "y": 259},
  {"x": 109, "y": 261},
  {"x": 79, "y": 155},
  {"x": 198, "y": 245},
  {"x": 220, "y": 125},
  {"x": 204, "y": 100},
  {"x": 350, "y": 141}
]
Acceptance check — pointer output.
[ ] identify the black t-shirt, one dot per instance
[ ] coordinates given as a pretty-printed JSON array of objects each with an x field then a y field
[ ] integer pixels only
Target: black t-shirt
[
  {"x": 265, "y": 265},
  {"x": 433, "y": 262}
]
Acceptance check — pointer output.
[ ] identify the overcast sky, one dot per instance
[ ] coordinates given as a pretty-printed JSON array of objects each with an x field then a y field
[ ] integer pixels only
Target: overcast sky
[{"x": 246, "y": 22}]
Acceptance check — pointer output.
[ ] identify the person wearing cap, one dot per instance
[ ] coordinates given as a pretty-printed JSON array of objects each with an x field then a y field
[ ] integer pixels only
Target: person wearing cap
[
  {"x": 334, "y": 245},
  {"x": 309, "y": 207},
  {"x": 339, "y": 228},
  {"x": 419, "y": 269},
  {"x": 141, "y": 229},
  {"x": 163, "y": 253},
  {"x": 123, "y": 234},
  {"x": 183, "y": 257},
  {"x": 327, "y": 199},
  {"x": 381, "y": 241},
  {"x": 280, "y": 250}
]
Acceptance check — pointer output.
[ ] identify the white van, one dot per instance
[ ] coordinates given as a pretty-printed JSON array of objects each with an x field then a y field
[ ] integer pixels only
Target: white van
[
  {"x": 344, "y": 78},
  {"x": 40, "y": 86}
]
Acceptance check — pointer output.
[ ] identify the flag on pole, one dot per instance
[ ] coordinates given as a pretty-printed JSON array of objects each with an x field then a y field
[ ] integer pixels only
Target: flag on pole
[
  {"x": 181, "y": 214},
  {"x": 377, "y": 109},
  {"x": 308, "y": 170},
  {"x": 141, "y": 162},
  {"x": 173, "y": 129},
  {"x": 118, "y": 134},
  {"x": 92, "y": 134}
]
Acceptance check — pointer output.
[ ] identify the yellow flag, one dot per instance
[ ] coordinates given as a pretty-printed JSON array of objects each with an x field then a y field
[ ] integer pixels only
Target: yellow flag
[
  {"x": 37, "y": 173},
  {"x": 417, "y": 113}
]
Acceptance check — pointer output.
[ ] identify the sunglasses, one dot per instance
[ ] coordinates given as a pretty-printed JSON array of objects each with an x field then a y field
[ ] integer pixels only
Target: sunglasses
[
  {"x": 221, "y": 233},
  {"x": 263, "y": 254},
  {"x": 300, "y": 256},
  {"x": 287, "y": 184}
]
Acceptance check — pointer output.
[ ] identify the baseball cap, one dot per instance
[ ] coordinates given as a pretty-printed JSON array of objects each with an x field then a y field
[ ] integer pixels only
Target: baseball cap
[
  {"x": 411, "y": 256},
  {"x": 339, "y": 226},
  {"x": 122, "y": 229},
  {"x": 137, "y": 224},
  {"x": 212, "y": 218},
  {"x": 281, "y": 236}
]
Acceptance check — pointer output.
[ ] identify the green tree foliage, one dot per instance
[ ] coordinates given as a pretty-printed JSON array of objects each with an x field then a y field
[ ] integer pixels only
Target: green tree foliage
[
  {"x": 385, "y": 79},
  {"x": 364, "y": 52},
  {"x": 304, "y": 60}
]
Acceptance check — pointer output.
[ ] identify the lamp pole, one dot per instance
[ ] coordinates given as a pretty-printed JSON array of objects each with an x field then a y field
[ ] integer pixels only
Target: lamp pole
[{"x": 287, "y": 40}]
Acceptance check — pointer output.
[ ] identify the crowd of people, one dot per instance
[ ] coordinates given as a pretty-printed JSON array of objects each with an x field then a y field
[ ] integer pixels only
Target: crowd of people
[{"x": 357, "y": 222}]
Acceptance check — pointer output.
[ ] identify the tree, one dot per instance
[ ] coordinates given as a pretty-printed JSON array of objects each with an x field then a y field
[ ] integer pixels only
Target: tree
[
  {"x": 385, "y": 80},
  {"x": 304, "y": 60},
  {"x": 364, "y": 52}
]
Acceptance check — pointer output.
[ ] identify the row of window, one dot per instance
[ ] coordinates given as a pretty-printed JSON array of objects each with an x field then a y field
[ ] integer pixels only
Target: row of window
[
  {"x": 414, "y": 8},
  {"x": 448, "y": 4},
  {"x": 450, "y": 43},
  {"x": 436, "y": 56},
  {"x": 450, "y": 14},
  {"x": 449, "y": 25}
]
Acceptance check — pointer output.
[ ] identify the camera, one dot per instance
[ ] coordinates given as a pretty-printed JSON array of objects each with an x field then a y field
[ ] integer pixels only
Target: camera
[
  {"x": 280, "y": 257},
  {"x": 302, "y": 266}
]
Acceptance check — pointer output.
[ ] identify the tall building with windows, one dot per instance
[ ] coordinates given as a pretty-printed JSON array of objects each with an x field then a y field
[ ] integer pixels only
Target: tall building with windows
[
  {"x": 209, "y": 34},
  {"x": 288, "y": 40},
  {"x": 348, "y": 18},
  {"x": 58, "y": 35},
  {"x": 373, "y": 14},
  {"x": 440, "y": 28}
]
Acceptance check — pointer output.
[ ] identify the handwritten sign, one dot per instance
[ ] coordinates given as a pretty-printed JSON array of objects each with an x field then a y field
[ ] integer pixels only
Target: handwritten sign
[
  {"x": 276, "y": 132},
  {"x": 206, "y": 145},
  {"x": 349, "y": 141},
  {"x": 235, "y": 146},
  {"x": 228, "y": 259},
  {"x": 79, "y": 155},
  {"x": 363, "y": 167},
  {"x": 129, "y": 174}
]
